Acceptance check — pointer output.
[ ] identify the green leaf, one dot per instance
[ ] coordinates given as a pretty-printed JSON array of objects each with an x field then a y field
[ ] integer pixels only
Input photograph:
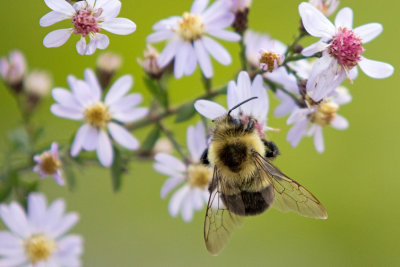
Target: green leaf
[
  {"x": 185, "y": 113},
  {"x": 5, "y": 187},
  {"x": 117, "y": 170},
  {"x": 19, "y": 139},
  {"x": 151, "y": 139}
]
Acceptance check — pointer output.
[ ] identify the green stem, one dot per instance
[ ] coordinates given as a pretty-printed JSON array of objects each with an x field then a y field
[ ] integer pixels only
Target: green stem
[
  {"x": 242, "y": 54},
  {"x": 171, "y": 138},
  {"x": 291, "y": 48},
  {"x": 207, "y": 84}
]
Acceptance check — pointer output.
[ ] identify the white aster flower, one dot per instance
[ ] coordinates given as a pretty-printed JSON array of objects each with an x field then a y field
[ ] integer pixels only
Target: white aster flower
[
  {"x": 101, "y": 117},
  {"x": 13, "y": 68},
  {"x": 49, "y": 164},
  {"x": 327, "y": 7},
  {"x": 37, "y": 238},
  {"x": 188, "y": 42},
  {"x": 342, "y": 48},
  {"x": 255, "y": 42},
  {"x": 310, "y": 121},
  {"x": 194, "y": 176},
  {"x": 237, "y": 93},
  {"x": 88, "y": 18}
]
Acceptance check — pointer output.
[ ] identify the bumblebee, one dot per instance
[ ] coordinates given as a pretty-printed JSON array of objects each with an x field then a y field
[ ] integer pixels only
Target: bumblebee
[{"x": 245, "y": 182}]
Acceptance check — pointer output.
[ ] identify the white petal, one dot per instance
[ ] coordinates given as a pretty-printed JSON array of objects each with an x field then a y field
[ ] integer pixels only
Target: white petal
[
  {"x": 10, "y": 245},
  {"x": 340, "y": 123},
  {"x": 126, "y": 103},
  {"x": 119, "y": 89},
  {"x": 159, "y": 36},
  {"x": 14, "y": 261},
  {"x": 90, "y": 142},
  {"x": 168, "y": 53},
  {"x": 175, "y": 203},
  {"x": 286, "y": 106},
  {"x": 315, "y": 22},
  {"x": 57, "y": 38},
  {"x": 101, "y": 40},
  {"x": 181, "y": 59},
  {"x": 196, "y": 141},
  {"x": 209, "y": 109},
  {"x": 53, "y": 215},
  {"x": 120, "y": 26},
  {"x": 224, "y": 20},
  {"x": 52, "y": 17},
  {"x": 110, "y": 8},
  {"x": 79, "y": 139},
  {"x": 91, "y": 47},
  {"x": 105, "y": 150},
  {"x": 199, "y": 6},
  {"x": 170, "y": 184},
  {"x": 217, "y": 51},
  {"x": 83, "y": 93},
  {"x": 66, "y": 99},
  {"x": 191, "y": 62},
  {"x": 314, "y": 48},
  {"x": 65, "y": 112},
  {"x": 170, "y": 161},
  {"x": 217, "y": 9},
  {"x": 132, "y": 115},
  {"x": 37, "y": 206},
  {"x": 297, "y": 132},
  {"x": 375, "y": 69},
  {"x": 122, "y": 136},
  {"x": 187, "y": 207},
  {"x": 65, "y": 224},
  {"x": 203, "y": 58},
  {"x": 167, "y": 170},
  {"x": 298, "y": 115},
  {"x": 91, "y": 79},
  {"x": 319, "y": 140},
  {"x": 167, "y": 23},
  {"x": 353, "y": 73},
  {"x": 224, "y": 35},
  {"x": 81, "y": 46},
  {"x": 70, "y": 246},
  {"x": 344, "y": 18},
  {"x": 368, "y": 32},
  {"x": 15, "y": 219},
  {"x": 232, "y": 96},
  {"x": 60, "y": 6}
]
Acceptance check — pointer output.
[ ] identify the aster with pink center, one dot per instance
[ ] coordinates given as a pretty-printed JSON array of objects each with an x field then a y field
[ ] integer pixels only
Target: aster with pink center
[
  {"x": 88, "y": 18},
  {"x": 342, "y": 49},
  {"x": 188, "y": 38},
  {"x": 102, "y": 119},
  {"x": 49, "y": 164},
  {"x": 237, "y": 93}
]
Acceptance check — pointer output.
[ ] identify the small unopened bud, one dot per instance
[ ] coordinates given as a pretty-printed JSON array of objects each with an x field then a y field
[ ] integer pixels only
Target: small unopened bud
[
  {"x": 107, "y": 64},
  {"x": 327, "y": 7},
  {"x": 298, "y": 49},
  {"x": 163, "y": 145},
  {"x": 149, "y": 63},
  {"x": 270, "y": 61},
  {"x": 12, "y": 70},
  {"x": 241, "y": 8},
  {"x": 37, "y": 84}
]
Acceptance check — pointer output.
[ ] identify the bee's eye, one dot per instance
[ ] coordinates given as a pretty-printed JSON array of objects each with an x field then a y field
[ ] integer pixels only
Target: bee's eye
[{"x": 236, "y": 121}]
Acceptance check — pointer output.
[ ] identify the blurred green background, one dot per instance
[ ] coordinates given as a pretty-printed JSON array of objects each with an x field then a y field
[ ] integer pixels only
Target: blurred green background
[{"x": 357, "y": 178}]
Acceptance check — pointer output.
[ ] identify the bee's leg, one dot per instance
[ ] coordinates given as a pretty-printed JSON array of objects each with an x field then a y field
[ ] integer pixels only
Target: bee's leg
[
  {"x": 271, "y": 150},
  {"x": 204, "y": 157},
  {"x": 250, "y": 125},
  {"x": 213, "y": 185}
]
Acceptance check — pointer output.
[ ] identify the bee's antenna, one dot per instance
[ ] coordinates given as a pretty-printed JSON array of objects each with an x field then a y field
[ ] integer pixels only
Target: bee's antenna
[{"x": 238, "y": 105}]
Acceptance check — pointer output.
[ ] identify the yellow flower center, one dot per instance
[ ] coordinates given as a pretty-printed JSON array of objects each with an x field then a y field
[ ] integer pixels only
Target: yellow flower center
[
  {"x": 325, "y": 114},
  {"x": 271, "y": 60},
  {"x": 97, "y": 115},
  {"x": 190, "y": 27},
  {"x": 39, "y": 248},
  {"x": 49, "y": 163},
  {"x": 199, "y": 175}
]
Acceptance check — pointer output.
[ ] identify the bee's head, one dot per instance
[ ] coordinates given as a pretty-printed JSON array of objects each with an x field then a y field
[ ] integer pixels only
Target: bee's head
[{"x": 231, "y": 119}]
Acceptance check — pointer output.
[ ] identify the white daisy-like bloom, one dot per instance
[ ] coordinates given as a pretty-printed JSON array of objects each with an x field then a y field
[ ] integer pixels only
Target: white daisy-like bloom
[
  {"x": 192, "y": 178},
  {"x": 342, "y": 49},
  {"x": 49, "y": 164},
  {"x": 13, "y": 68},
  {"x": 237, "y": 93},
  {"x": 311, "y": 121},
  {"x": 37, "y": 238},
  {"x": 88, "y": 18},
  {"x": 327, "y": 7},
  {"x": 188, "y": 38},
  {"x": 239, "y": 5},
  {"x": 256, "y": 42},
  {"x": 101, "y": 118}
]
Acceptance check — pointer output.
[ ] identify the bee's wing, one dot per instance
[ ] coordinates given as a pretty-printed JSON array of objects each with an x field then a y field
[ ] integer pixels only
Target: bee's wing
[
  {"x": 219, "y": 222},
  {"x": 289, "y": 195}
]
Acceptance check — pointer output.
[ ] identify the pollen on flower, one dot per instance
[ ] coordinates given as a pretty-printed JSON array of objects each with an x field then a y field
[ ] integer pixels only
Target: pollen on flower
[
  {"x": 324, "y": 114},
  {"x": 86, "y": 21},
  {"x": 39, "y": 248},
  {"x": 269, "y": 61},
  {"x": 347, "y": 48},
  {"x": 97, "y": 115},
  {"x": 190, "y": 27},
  {"x": 49, "y": 163},
  {"x": 199, "y": 175}
]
